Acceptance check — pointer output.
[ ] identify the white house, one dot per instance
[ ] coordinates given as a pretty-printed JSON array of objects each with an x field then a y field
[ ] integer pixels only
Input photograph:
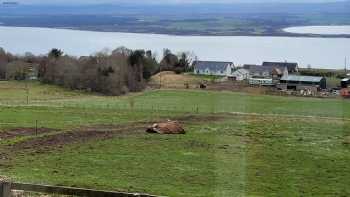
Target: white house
[
  {"x": 213, "y": 68},
  {"x": 240, "y": 74}
]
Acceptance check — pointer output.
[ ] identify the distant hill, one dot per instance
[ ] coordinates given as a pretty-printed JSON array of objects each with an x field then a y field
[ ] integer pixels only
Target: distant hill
[
  {"x": 241, "y": 19},
  {"x": 10, "y": 3},
  {"x": 291, "y": 8}
]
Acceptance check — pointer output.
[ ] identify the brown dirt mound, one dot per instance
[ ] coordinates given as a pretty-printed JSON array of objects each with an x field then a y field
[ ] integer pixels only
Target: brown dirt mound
[{"x": 170, "y": 79}]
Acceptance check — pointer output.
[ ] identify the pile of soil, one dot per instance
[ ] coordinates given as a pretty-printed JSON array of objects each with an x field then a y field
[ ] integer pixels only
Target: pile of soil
[{"x": 170, "y": 79}]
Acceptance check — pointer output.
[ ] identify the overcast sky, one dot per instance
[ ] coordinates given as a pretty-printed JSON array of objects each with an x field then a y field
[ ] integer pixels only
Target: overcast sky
[{"x": 163, "y": 1}]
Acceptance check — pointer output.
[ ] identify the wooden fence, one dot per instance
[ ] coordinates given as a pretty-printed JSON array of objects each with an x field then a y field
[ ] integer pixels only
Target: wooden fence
[{"x": 7, "y": 187}]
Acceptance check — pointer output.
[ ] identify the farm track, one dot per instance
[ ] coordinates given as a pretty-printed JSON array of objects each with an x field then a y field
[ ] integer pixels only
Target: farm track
[{"x": 22, "y": 132}]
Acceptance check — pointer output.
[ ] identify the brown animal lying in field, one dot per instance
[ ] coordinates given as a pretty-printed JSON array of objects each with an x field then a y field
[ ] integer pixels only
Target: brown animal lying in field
[{"x": 170, "y": 127}]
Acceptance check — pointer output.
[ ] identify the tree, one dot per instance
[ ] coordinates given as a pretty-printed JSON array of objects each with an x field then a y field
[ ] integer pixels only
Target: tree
[
  {"x": 3, "y": 62},
  {"x": 184, "y": 63},
  {"x": 166, "y": 52},
  {"x": 55, "y": 53},
  {"x": 112, "y": 73},
  {"x": 169, "y": 62},
  {"x": 122, "y": 50},
  {"x": 151, "y": 65},
  {"x": 137, "y": 57}
]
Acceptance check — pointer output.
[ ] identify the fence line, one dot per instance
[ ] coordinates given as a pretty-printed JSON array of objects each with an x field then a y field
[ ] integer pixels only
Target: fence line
[{"x": 7, "y": 187}]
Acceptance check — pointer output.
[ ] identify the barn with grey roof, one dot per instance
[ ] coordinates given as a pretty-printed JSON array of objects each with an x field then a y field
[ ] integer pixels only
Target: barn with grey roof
[{"x": 303, "y": 82}]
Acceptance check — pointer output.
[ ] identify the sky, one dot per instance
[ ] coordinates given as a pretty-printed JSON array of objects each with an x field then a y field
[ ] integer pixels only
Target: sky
[{"x": 163, "y": 1}]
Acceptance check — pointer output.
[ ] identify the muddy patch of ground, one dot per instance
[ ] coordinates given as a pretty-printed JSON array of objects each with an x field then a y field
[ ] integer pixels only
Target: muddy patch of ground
[
  {"x": 23, "y": 131},
  {"x": 80, "y": 135}
]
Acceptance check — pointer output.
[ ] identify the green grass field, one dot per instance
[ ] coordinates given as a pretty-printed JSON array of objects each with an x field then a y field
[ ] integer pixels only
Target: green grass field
[{"x": 236, "y": 144}]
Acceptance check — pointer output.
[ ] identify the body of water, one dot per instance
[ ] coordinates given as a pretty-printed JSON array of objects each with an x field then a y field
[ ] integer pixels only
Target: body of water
[
  {"x": 317, "y": 52},
  {"x": 321, "y": 30}
]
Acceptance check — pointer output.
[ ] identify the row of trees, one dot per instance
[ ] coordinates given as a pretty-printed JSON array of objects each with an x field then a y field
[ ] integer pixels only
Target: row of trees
[
  {"x": 109, "y": 72},
  {"x": 324, "y": 73}
]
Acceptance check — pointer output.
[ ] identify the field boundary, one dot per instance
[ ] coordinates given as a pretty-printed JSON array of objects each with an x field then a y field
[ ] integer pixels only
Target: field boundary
[{"x": 7, "y": 187}]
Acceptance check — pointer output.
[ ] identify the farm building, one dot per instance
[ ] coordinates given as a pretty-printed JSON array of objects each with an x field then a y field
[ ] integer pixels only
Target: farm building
[
  {"x": 297, "y": 82},
  {"x": 345, "y": 83},
  {"x": 213, "y": 68},
  {"x": 240, "y": 75},
  {"x": 291, "y": 67},
  {"x": 261, "y": 82},
  {"x": 257, "y": 71}
]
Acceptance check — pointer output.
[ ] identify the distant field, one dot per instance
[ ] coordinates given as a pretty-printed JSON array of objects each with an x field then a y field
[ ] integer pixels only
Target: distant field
[{"x": 236, "y": 144}]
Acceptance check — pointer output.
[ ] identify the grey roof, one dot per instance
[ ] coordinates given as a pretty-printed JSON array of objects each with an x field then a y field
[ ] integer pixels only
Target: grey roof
[
  {"x": 257, "y": 68},
  {"x": 301, "y": 78},
  {"x": 242, "y": 71},
  {"x": 289, "y": 65},
  {"x": 211, "y": 65}
]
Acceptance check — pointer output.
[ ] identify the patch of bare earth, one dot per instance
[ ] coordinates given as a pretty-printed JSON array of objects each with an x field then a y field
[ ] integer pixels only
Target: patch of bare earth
[
  {"x": 80, "y": 135},
  {"x": 23, "y": 131}
]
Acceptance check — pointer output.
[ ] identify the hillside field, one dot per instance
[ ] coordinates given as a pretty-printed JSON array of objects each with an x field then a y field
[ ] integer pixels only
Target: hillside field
[{"x": 237, "y": 144}]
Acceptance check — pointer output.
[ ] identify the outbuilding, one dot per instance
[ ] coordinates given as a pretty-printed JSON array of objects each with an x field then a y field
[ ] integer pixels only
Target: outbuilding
[
  {"x": 345, "y": 83},
  {"x": 299, "y": 82},
  {"x": 240, "y": 75}
]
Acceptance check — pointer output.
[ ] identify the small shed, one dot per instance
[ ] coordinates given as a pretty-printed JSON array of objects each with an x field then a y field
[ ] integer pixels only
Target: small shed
[
  {"x": 240, "y": 75},
  {"x": 345, "y": 83}
]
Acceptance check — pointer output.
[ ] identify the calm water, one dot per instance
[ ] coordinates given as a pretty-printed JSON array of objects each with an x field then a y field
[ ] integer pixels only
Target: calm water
[
  {"x": 318, "y": 52},
  {"x": 323, "y": 30}
]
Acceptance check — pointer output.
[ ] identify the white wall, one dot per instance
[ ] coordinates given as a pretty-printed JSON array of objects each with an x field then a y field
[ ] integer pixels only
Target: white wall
[{"x": 227, "y": 72}]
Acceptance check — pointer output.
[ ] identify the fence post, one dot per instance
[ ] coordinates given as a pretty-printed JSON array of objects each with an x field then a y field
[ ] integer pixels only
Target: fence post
[
  {"x": 5, "y": 189},
  {"x": 36, "y": 127}
]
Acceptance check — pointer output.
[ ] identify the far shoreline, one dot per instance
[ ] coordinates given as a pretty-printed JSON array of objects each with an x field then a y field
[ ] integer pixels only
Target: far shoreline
[{"x": 281, "y": 32}]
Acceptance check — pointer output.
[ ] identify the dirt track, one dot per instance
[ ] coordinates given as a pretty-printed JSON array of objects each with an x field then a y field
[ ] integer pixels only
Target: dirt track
[
  {"x": 84, "y": 134},
  {"x": 21, "y": 132}
]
